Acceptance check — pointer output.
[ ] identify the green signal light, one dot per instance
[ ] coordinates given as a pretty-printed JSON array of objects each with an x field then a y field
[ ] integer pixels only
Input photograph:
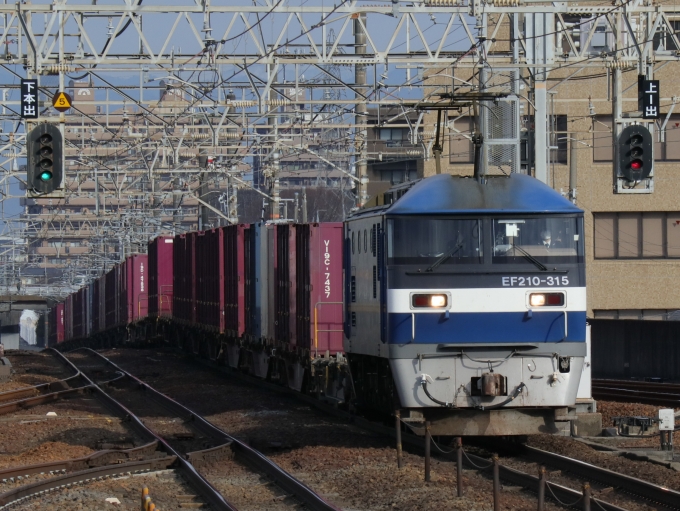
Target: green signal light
[{"x": 45, "y": 175}]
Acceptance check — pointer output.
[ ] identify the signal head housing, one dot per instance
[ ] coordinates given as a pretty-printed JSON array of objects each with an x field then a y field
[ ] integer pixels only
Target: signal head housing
[
  {"x": 635, "y": 153},
  {"x": 45, "y": 151}
]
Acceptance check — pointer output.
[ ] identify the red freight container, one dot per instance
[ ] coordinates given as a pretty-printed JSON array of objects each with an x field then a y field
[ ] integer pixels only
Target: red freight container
[
  {"x": 60, "y": 322},
  {"x": 78, "y": 305},
  {"x": 179, "y": 276},
  {"x": 111, "y": 298},
  {"x": 283, "y": 283},
  {"x": 325, "y": 287},
  {"x": 160, "y": 276},
  {"x": 68, "y": 318},
  {"x": 292, "y": 278},
  {"x": 184, "y": 287},
  {"x": 135, "y": 294},
  {"x": 51, "y": 326},
  {"x": 250, "y": 279},
  {"x": 122, "y": 294},
  {"x": 95, "y": 306},
  {"x": 56, "y": 325},
  {"x": 236, "y": 238},
  {"x": 210, "y": 279}
]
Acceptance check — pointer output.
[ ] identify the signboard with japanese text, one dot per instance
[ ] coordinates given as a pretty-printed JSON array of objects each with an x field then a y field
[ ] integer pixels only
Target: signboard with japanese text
[
  {"x": 29, "y": 99},
  {"x": 648, "y": 98}
]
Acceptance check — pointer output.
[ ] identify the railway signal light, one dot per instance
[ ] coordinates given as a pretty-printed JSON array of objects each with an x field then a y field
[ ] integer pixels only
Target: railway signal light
[
  {"x": 44, "y": 148},
  {"x": 635, "y": 157}
]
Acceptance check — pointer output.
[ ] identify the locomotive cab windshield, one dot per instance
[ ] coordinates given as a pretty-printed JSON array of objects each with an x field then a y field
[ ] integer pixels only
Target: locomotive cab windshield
[{"x": 431, "y": 243}]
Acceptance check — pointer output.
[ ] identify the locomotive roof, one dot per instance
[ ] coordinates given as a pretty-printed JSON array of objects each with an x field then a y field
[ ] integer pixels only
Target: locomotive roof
[{"x": 446, "y": 194}]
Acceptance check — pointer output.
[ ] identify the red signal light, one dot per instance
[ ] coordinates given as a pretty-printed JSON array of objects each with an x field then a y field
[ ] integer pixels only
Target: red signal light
[{"x": 636, "y": 165}]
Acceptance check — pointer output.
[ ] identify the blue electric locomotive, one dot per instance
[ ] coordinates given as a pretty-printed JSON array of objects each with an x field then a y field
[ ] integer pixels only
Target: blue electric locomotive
[{"x": 466, "y": 305}]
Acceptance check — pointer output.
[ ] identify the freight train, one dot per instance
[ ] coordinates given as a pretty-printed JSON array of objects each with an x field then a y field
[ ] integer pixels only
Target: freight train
[{"x": 458, "y": 302}]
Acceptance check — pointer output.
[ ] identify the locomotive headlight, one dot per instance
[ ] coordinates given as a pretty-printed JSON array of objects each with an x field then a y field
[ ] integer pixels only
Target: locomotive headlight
[
  {"x": 429, "y": 301},
  {"x": 438, "y": 301},
  {"x": 537, "y": 300},
  {"x": 546, "y": 299}
]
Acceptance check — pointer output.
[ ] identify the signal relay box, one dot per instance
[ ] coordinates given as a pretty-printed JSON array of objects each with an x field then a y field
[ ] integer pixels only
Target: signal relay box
[{"x": 666, "y": 419}]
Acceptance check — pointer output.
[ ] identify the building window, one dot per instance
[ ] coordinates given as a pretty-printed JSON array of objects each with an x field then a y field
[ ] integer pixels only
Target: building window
[
  {"x": 393, "y": 134},
  {"x": 637, "y": 314},
  {"x": 559, "y": 139},
  {"x": 652, "y": 235},
  {"x": 461, "y": 149}
]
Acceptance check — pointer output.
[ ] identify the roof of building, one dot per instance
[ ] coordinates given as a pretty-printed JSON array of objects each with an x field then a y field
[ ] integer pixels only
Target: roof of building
[{"x": 447, "y": 194}]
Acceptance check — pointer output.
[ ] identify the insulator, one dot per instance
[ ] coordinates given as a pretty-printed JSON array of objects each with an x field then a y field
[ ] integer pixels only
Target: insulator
[
  {"x": 54, "y": 69},
  {"x": 444, "y": 3},
  {"x": 241, "y": 104},
  {"x": 504, "y": 3},
  {"x": 619, "y": 64}
]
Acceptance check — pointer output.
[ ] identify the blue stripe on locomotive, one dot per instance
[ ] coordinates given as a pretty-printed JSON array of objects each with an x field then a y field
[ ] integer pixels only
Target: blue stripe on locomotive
[{"x": 487, "y": 327}]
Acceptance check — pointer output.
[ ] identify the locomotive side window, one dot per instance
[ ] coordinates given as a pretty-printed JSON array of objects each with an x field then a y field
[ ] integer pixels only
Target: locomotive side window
[
  {"x": 544, "y": 239},
  {"x": 434, "y": 241},
  {"x": 366, "y": 241},
  {"x": 352, "y": 241}
]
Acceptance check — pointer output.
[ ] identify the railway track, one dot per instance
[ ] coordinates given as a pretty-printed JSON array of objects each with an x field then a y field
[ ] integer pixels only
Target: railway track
[
  {"x": 69, "y": 472},
  {"x": 199, "y": 466},
  {"x": 639, "y": 489},
  {"x": 652, "y": 393}
]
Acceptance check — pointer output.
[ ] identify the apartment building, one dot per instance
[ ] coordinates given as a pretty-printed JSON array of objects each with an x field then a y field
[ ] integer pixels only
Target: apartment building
[{"x": 122, "y": 186}]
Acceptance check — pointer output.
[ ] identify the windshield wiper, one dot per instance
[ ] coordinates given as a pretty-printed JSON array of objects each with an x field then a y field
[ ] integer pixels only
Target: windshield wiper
[
  {"x": 445, "y": 257},
  {"x": 531, "y": 258}
]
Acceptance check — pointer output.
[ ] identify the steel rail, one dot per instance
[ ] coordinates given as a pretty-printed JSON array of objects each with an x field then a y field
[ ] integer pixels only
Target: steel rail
[
  {"x": 40, "y": 487},
  {"x": 22, "y": 392},
  {"x": 251, "y": 456},
  {"x": 21, "y": 404},
  {"x": 213, "y": 497},
  {"x": 637, "y": 487},
  {"x": 96, "y": 459},
  {"x": 530, "y": 482},
  {"x": 636, "y": 396},
  {"x": 623, "y": 482},
  {"x": 638, "y": 385}
]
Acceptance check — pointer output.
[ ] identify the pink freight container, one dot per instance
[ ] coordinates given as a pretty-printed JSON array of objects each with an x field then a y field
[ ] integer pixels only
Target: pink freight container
[
  {"x": 160, "y": 276},
  {"x": 235, "y": 239},
  {"x": 325, "y": 287},
  {"x": 56, "y": 325},
  {"x": 136, "y": 292}
]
